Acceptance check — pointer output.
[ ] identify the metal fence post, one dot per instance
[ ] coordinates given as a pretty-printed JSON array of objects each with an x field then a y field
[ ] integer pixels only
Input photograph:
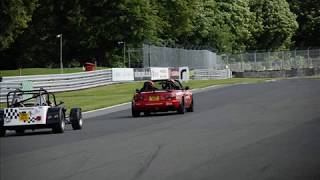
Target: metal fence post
[
  {"x": 241, "y": 67},
  {"x": 149, "y": 56},
  {"x": 129, "y": 57},
  {"x": 269, "y": 60},
  {"x": 282, "y": 60},
  {"x": 228, "y": 59},
  {"x": 295, "y": 58},
  {"x": 255, "y": 60},
  {"x": 308, "y": 54}
]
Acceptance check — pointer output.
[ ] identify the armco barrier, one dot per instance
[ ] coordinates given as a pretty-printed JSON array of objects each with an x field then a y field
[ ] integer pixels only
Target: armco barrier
[
  {"x": 83, "y": 80},
  {"x": 57, "y": 82},
  {"x": 278, "y": 73},
  {"x": 202, "y": 74}
]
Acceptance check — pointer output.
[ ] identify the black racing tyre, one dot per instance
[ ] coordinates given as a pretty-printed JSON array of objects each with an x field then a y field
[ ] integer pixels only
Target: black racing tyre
[
  {"x": 2, "y": 130},
  {"x": 146, "y": 113},
  {"x": 135, "y": 113},
  {"x": 181, "y": 109},
  {"x": 60, "y": 126},
  {"x": 76, "y": 118},
  {"x": 190, "y": 109}
]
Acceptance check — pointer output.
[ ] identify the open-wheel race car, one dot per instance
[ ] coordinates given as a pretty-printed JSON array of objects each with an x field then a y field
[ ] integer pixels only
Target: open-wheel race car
[
  {"x": 162, "y": 96},
  {"x": 36, "y": 109}
]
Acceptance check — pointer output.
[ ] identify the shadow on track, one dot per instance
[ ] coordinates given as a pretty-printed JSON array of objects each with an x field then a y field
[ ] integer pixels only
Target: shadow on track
[
  {"x": 151, "y": 115},
  {"x": 10, "y": 134}
]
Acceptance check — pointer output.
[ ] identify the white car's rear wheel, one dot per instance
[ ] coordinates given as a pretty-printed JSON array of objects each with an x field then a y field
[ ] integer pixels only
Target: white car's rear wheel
[
  {"x": 60, "y": 126},
  {"x": 2, "y": 132}
]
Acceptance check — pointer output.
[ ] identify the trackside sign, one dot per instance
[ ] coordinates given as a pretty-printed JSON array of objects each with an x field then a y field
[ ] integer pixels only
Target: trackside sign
[
  {"x": 156, "y": 73},
  {"x": 122, "y": 74},
  {"x": 159, "y": 73},
  {"x": 142, "y": 74},
  {"x": 184, "y": 73}
]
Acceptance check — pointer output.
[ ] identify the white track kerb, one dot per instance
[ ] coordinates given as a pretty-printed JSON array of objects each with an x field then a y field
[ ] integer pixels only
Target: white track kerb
[{"x": 127, "y": 105}]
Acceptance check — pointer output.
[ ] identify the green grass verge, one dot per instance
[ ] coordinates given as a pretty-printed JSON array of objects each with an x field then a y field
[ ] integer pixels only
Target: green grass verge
[
  {"x": 314, "y": 77},
  {"x": 104, "y": 96},
  {"x": 100, "y": 97},
  {"x": 204, "y": 83},
  {"x": 40, "y": 71}
]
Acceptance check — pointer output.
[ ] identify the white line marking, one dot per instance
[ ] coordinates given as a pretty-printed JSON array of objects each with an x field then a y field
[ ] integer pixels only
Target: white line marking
[
  {"x": 109, "y": 107},
  {"x": 118, "y": 105},
  {"x": 193, "y": 90}
]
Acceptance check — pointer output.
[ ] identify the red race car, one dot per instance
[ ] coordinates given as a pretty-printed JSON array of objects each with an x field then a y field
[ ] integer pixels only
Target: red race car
[{"x": 162, "y": 96}]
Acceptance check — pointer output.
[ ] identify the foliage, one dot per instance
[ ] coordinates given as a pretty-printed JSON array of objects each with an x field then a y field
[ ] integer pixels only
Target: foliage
[
  {"x": 14, "y": 18},
  {"x": 175, "y": 20},
  {"x": 92, "y": 29},
  {"x": 105, "y": 96},
  {"x": 308, "y": 17},
  {"x": 275, "y": 22},
  {"x": 102, "y": 24},
  {"x": 209, "y": 28},
  {"x": 237, "y": 16}
]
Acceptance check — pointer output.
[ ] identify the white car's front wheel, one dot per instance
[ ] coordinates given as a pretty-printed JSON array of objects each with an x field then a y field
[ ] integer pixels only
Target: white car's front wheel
[{"x": 76, "y": 118}]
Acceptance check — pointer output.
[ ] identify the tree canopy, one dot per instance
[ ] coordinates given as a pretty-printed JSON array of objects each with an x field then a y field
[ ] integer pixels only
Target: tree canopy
[
  {"x": 275, "y": 22},
  {"x": 92, "y": 29},
  {"x": 15, "y": 16},
  {"x": 308, "y": 18}
]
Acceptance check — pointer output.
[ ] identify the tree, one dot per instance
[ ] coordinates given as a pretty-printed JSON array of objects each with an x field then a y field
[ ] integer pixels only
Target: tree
[
  {"x": 275, "y": 24},
  {"x": 237, "y": 16},
  {"x": 104, "y": 23},
  {"x": 14, "y": 18},
  {"x": 176, "y": 20},
  {"x": 308, "y": 17},
  {"x": 209, "y": 29},
  {"x": 38, "y": 45},
  {"x": 91, "y": 31}
]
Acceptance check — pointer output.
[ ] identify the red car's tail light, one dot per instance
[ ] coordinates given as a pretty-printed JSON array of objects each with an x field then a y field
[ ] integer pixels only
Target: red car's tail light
[{"x": 138, "y": 97}]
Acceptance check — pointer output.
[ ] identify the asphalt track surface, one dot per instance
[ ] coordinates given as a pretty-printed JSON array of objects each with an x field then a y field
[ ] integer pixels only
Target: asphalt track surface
[{"x": 256, "y": 131}]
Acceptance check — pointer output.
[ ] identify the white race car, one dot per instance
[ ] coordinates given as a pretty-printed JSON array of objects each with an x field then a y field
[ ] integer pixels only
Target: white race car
[{"x": 36, "y": 109}]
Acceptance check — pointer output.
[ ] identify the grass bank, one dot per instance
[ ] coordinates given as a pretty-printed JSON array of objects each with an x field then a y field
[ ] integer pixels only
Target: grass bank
[
  {"x": 313, "y": 77},
  {"x": 104, "y": 96}
]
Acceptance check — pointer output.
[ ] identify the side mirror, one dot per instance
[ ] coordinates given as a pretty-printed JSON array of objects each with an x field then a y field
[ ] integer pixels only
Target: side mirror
[
  {"x": 187, "y": 88},
  {"x": 137, "y": 91}
]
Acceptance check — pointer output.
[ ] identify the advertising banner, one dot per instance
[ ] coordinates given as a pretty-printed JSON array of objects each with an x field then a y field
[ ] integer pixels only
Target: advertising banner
[
  {"x": 141, "y": 74},
  {"x": 159, "y": 73},
  {"x": 174, "y": 73},
  {"x": 122, "y": 74}
]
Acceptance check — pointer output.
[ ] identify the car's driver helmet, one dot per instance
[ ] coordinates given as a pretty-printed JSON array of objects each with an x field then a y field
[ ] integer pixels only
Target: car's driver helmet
[{"x": 149, "y": 85}]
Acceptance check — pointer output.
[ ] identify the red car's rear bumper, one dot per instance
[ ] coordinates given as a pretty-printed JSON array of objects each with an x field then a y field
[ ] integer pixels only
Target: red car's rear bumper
[{"x": 157, "y": 106}]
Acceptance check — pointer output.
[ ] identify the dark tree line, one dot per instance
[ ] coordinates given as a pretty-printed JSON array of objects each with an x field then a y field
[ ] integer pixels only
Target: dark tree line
[{"x": 92, "y": 28}]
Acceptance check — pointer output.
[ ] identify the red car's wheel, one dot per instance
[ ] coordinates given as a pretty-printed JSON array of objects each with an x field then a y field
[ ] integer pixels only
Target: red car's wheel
[
  {"x": 135, "y": 113},
  {"x": 181, "y": 109},
  {"x": 190, "y": 109}
]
